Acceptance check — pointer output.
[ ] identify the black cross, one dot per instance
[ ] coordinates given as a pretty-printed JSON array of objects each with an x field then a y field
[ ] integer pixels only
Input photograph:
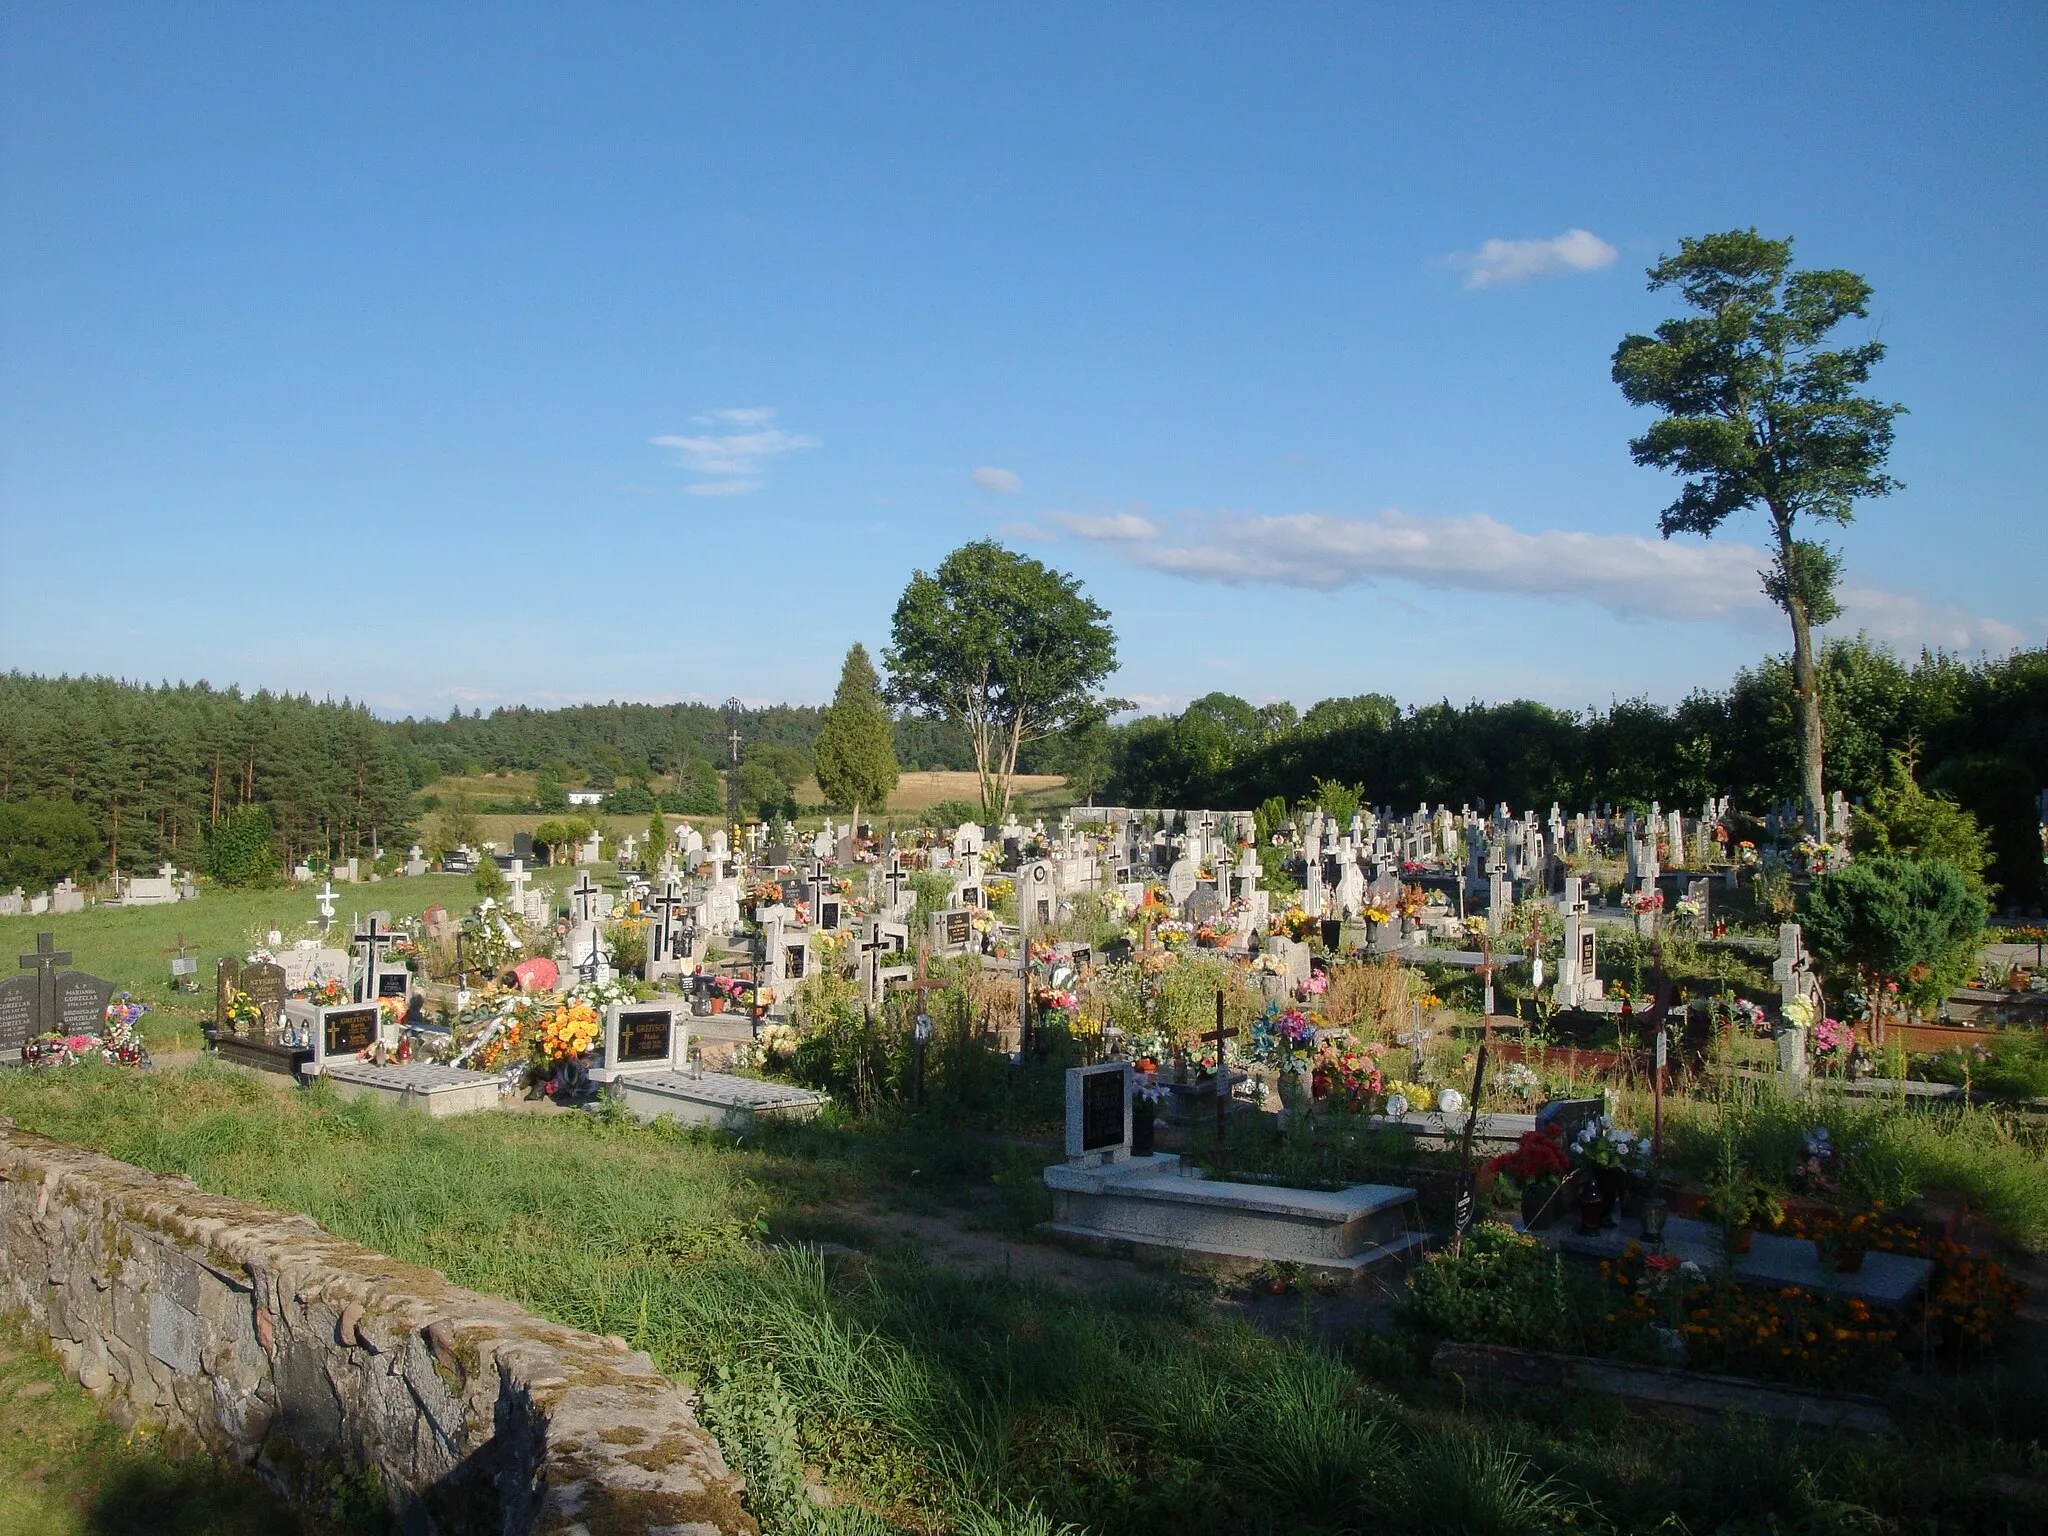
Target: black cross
[
  {"x": 371, "y": 941},
  {"x": 44, "y": 962},
  {"x": 586, "y": 890},
  {"x": 895, "y": 879}
]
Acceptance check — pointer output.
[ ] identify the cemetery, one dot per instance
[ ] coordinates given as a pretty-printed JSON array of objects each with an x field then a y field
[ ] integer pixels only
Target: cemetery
[
  {"x": 1570, "y": 1093},
  {"x": 979, "y": 1103}
]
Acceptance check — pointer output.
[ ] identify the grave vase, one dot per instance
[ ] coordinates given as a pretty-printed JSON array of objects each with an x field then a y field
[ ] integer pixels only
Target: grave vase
[
  {"x": 1542, "y": 1203},
  {"x": 1144, "y": 1126}
]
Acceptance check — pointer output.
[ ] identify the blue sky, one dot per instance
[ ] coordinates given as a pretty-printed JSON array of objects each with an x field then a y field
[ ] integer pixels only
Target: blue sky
[{"x": 442, "y": 356}]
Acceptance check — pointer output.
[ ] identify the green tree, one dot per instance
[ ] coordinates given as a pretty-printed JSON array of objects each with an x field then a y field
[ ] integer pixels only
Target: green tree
[
  {"x": 1361, "y": 711},
  {"x": 456, "y": 826},
  {"x": 1005, "y": 645},
  {"x": 856, "y": 749},
  {"x": 550, "y": 835},
  {"x": 42, "y": 841},
  {"x": 1758, "y": 413},
  {"x": 1902, "y": 819},
  {"x": 657, "y": 840},
  {"x": 1908, "y": 921},
  {"x": 549, "y": 795},
  {"x": 239, "y": 852}
]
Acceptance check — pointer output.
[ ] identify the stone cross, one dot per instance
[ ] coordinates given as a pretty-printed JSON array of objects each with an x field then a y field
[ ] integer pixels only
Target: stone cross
[
  {"x": 44, "y": 963},
  {"x": 326, "y": 897},
  {"x": 516, "y": 879}
]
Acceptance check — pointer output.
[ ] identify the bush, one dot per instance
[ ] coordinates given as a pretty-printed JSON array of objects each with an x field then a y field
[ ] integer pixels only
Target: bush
[
  {"x": 1502, "y": 1289},
  {"x": 239, "y": 853},
  {"x": 1904, "y": 920},
  {"x": 42, "y": 841},
  {"x": 630, "y": 801}
]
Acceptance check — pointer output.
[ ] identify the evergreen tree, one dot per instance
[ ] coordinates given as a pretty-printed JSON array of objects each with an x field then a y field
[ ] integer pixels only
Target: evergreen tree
[{"x": 856, "y": 748}]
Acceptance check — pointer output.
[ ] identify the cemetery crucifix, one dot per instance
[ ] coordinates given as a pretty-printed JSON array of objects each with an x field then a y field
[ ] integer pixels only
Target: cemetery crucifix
[
  {"x": 44, "y": 963},
  {"x": 370, "y": 941}
]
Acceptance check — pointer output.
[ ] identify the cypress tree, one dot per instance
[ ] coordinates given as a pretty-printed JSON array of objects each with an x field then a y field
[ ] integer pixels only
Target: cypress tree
[{"x": 856, "y": 749}]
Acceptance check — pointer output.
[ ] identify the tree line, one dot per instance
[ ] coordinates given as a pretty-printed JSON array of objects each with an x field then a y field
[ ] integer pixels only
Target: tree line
[
  {"x": 1974, "y": 731},
  {"x": 98, "y": 775}
]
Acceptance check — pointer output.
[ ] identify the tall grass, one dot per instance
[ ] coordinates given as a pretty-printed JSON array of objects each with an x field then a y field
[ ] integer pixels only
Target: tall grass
[
  {"x": 928, "y": 1400},
  {"x": 1893, "y": 1152}
]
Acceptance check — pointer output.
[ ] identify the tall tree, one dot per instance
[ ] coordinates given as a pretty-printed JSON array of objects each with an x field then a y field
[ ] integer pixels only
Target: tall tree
[
  {"x": 857, "y": 749},
  {"x": 1758, "y": 413},
  {"x": 1010, "y": 648}
]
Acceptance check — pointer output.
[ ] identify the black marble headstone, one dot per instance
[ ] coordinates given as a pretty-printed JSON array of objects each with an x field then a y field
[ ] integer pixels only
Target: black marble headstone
[
  {"x": 1102, "y": 1111},
  {"x": 644, "y": 1034},
  {"x": 81, "y": 1004},
  {"x": 344, "y": 1031},
  {"x": 20, "y": 1019}
]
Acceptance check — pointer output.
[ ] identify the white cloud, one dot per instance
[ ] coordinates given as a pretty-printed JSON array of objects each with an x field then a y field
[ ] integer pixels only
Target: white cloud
[
  {"x": 1908, "y": 621},
  {"x": 735, "y": 459},
  {"x": 997, "y": 482},
  {"x": 1501, "y": 262},
  {"x": 1628, "y": 575},
  {"x": 1116, "y": 528},
  {"x": 1324, "y": 552}
]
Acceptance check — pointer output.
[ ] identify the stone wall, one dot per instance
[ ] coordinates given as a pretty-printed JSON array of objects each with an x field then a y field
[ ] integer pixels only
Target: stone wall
[{"x": 272, "y": 1343}]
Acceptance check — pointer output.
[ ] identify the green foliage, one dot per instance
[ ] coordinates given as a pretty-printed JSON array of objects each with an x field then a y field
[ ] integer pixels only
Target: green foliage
[
  {"x": 856, "y": 749},
  {"x": 489, "y": 881},
  {"x": 239, "y": 852},
  {"x": 41, "y": 841},
  {"x": 657, "y": 839},
  {"x": 764, "y": 792},
  {"x": 550, "y": 796},
  {"x": 455, "y": 826},
  {"x": 1008, "y": 647},
  {"x": 950, "y": 813},
  {"x": 696, "y": 793},
  {"x": 1890, "y": 919},
  {"x": 157, "y": 767},
  {"x": 1903, "y": 819},
  {"x": 1502, "y": 1288},
  {"x": 1339, "y": 801},
  {"x": 551, "y": 835}
]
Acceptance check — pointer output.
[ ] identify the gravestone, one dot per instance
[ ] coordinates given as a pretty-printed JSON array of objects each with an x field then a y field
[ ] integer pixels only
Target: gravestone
[
  {"x": 343, "y": 1031},
  {"x": 265, "y": 985},
  {"x": 1099, "y": 1113},
  {"x": 952, "y": 930},
  {"x": 1181, "y": 881},
  {"x": 21, "y": 1016},
  {"x": 81, "y": 1004},
  {"x": 1038, "y": 898},
  {"x": 641, "y": 1037}
]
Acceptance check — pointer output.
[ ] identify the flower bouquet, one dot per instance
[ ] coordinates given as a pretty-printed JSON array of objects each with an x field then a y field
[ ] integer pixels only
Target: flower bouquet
[
  {"x": 1833, "y": 1044},
  {"x": 1539, "y": 1168},
  {"x": 1347, "y": 1078}
]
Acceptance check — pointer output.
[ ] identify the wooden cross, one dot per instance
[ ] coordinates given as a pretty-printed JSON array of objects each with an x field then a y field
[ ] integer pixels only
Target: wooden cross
[
  {"x": 44, "y": 962},
  {"x": 1217, "y": 1037}
]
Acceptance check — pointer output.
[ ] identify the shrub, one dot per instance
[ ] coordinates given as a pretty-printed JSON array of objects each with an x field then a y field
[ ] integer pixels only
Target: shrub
[
  {"x": 239, "y": 853},
  {"x": 1904, "y": 920},
  {"x": 1503, "y": 1288},
  {"x": 45, "y": 840}
]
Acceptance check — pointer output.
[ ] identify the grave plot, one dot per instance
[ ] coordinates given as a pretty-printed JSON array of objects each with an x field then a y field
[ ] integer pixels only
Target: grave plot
[{"x": 646, "y": 1065}]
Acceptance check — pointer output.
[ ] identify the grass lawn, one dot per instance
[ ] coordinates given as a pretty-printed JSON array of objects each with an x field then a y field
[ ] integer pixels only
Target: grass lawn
[
  {"x": 130, "y": 946},
  {"x": 930, "y": 1399},
  {"x": 66, "y": 1471}
]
